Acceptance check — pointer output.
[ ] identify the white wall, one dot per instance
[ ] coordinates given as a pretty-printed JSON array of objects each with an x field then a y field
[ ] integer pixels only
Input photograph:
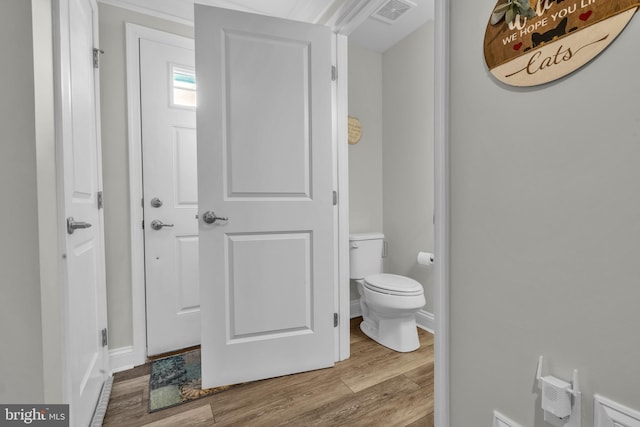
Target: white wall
[
  {"x": 545, "y": 229},
  {"x": 21, "y": 360},
  {"x": 115, "y": 161},
  {"x": 407, "y": 155}
]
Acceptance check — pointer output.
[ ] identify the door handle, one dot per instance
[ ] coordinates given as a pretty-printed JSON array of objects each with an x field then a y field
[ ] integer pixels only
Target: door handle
[
  {"x": 73, "y": 225},
  {"x": 210, "y": 217},
  {"x": 158, "y": 225}
]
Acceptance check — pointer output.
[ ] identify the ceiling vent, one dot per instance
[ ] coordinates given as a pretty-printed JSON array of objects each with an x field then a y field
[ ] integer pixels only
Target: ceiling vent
[{"x": 392, "y": 10}]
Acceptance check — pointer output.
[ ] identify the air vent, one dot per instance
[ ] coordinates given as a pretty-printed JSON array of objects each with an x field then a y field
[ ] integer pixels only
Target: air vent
[{"x": 392, "y": 10}]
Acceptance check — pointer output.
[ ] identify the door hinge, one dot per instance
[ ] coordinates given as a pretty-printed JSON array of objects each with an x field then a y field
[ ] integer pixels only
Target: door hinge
[
  {"x": 96, "y": 57},
  {"x": 335, "y": 198},
  {"x": 104, "y": 337},
  {"x": 335, "y": 320},
  {"x": 100, "y": 200},
  {"x": 143, "y": 224},
  {"x": 334, "y": 73}
]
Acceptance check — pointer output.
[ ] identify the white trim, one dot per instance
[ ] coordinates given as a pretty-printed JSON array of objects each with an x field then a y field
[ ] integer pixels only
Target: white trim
[
  {"x": 133, "y": 35},
  {"x": 160, "y": 12},
  {"x": 342, "y": 162},
  {"x": 139, "y": 349},
  {"x": 122, "y": 358},
  {"x": 441, "y": 173},
  {"x": 47, "y": 191},
  {"x": 607, "y": 413},
  {"x": 500, "y": 420},
  {"x": 61, "y": 88},
  {"x": 425, "y": 320}
]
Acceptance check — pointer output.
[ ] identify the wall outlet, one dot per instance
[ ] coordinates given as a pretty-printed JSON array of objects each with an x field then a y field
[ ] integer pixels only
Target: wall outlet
[
  {"x": 608, "y": 413},
  {"x": 500, "y": 420}
]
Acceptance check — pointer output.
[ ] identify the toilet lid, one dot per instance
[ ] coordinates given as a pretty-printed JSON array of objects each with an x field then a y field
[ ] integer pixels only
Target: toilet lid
[{"x": 393, "y": 284}]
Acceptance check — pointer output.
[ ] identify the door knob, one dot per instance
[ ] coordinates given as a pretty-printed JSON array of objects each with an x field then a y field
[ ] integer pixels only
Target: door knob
[
  {"x": 158, "y": 225},
  {"x": 73, "y": 225},
  {"x": 210, "y": 217}
]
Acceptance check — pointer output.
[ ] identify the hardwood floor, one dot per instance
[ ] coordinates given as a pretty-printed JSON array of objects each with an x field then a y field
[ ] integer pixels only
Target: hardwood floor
[{"x": 374, "y": 387}]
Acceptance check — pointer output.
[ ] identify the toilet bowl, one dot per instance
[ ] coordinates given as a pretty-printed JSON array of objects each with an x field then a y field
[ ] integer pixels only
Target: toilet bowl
[{"x": 389, "y": 302}]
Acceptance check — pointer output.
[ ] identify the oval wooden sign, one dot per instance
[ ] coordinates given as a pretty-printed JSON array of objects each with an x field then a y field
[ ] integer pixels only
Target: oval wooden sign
[{"x": 529, "y": 44}]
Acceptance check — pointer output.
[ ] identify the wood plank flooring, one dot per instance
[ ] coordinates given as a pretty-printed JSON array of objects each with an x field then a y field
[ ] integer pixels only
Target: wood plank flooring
[{"x": 374, "y": 387}]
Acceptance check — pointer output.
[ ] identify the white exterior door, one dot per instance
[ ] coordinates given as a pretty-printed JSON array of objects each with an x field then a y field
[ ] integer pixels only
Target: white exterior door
[
  {"x": 265, "y": 141},
  {"x": 167, "y": 92},
  {"x": 83, "y": 241}
]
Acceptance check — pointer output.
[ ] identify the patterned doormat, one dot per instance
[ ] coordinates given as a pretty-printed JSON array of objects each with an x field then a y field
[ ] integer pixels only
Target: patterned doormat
[{"x": 176, "y": 380}]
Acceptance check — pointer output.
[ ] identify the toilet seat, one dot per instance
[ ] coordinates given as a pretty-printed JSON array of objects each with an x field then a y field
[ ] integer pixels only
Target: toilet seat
[{"x": 393, "y": 284}]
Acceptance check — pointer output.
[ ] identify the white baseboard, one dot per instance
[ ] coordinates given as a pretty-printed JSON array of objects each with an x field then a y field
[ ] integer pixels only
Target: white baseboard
[
  {"x": 424, "y": 319},
  {"x": 121, "y": 359}
]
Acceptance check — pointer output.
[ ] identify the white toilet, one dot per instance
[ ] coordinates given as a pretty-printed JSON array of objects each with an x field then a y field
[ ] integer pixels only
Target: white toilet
[{"x": 389, "y": 302}]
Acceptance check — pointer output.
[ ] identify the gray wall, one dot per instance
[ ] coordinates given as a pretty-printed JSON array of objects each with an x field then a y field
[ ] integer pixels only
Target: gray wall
[
  {"x": 115, "y": 159},
  {"x": 545, "y": 229},
  {"x": 407, "y": 155},
  {"x": 391, "y": 168},
  {"x": 20, "y": 322},
  {"x": 365, "y": 157}
]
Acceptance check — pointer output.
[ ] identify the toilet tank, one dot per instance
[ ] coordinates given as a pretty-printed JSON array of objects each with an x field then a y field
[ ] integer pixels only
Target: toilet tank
[{"x": 365, "y": 254}]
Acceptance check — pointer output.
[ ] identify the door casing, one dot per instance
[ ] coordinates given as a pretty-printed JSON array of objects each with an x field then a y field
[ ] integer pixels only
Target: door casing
[
  {"x": 137, "y": 354},
  {"x": 62, "y": 104},
  {"x": 171, "y": 261}
]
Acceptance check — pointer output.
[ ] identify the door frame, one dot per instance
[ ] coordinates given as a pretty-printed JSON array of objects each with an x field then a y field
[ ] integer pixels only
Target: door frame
[
  {"x": 134, "y": 32},
  {"x": 442, "y": 409},
  {"x": 442, "y": 212},
  {"x": 61, "y": 110},
  {"x": 442, "y": 23},
  {"x": 137, "y": 354}
]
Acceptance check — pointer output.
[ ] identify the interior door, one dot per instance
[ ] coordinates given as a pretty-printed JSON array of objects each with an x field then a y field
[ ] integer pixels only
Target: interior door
[
  {"x": 168, "y": 115},
  {"x": 265, "y": 163},
  {"x": 82, "y": 217}
]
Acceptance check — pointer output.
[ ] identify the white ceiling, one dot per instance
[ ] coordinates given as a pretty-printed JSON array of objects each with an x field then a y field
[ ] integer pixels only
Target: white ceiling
[
  {"x": 379, "y": 36},
  {"x": 350, "y": 16}
]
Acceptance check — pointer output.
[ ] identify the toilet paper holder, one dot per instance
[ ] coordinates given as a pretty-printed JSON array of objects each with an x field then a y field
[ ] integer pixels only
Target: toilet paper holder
[{"x": 425, "y": 258}]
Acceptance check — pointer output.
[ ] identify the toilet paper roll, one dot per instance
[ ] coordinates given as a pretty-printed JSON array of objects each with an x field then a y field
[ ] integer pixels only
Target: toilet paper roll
[{"x": 425, "y": 258}]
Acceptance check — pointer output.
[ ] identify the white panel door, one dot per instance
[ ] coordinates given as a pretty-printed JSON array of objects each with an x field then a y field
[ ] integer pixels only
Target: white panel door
[
  {"x": 83, "y": 242},
  {"x": 265, "y": 162},
  {"x": 167, "y": 95}
]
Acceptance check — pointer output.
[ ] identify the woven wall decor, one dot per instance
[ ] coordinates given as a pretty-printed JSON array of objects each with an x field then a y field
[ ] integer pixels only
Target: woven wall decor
[{"x": 355, "y": 130}]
